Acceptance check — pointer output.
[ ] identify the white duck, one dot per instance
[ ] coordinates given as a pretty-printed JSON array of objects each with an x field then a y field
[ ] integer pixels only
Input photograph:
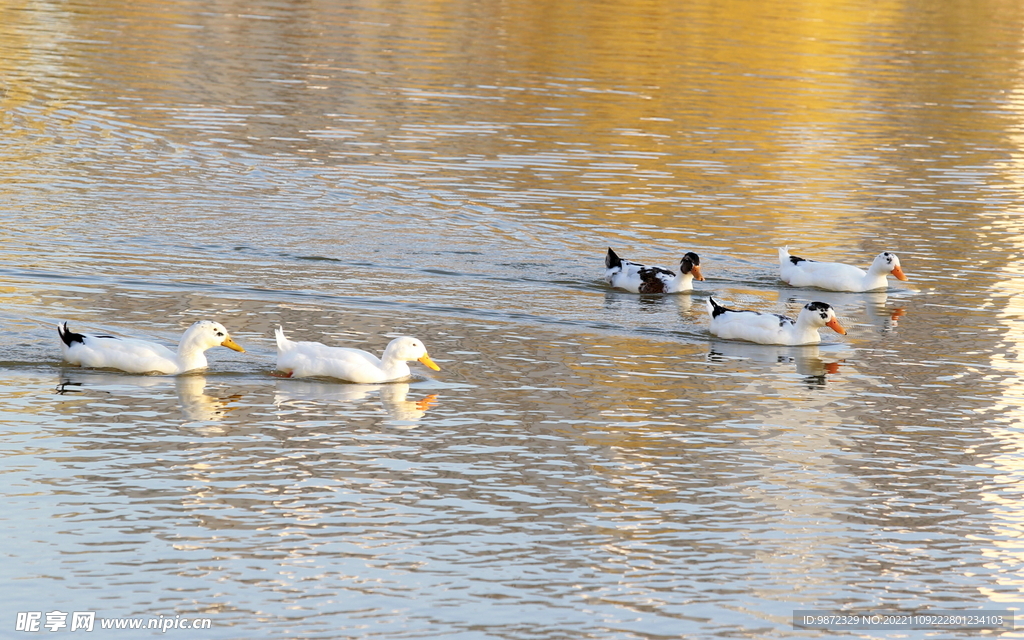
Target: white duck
[
  {"x": 834, "y": 276},
  {"x": 142, "y": 356},
  {"x": 770, "y": 328},
  {"x": 635, "y": 277},
  {"x": 305, "y": 359}
]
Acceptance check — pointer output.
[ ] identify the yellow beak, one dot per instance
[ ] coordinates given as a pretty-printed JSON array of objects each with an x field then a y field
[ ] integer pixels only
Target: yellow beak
[
  {"x": 231, "y": 344},
  {"x": 697, "y": 275},
  {"x": 430, "y": 363},
  {"x": 898, "y": 272},
  {"x": 835, "y": 326}
]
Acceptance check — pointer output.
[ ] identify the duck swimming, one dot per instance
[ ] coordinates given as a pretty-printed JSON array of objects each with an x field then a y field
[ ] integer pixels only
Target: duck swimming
[
  {"x": 834, "y": 276},
  {"x": 305, "y": 359},
  {"x": 142, "y": 356},
  {"x": 638, "y": 278},
  {"x": 770, "y": 328}
]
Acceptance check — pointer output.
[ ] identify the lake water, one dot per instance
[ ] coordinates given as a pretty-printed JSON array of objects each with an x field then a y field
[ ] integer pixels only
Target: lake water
[{"x": 588, "y": 463}]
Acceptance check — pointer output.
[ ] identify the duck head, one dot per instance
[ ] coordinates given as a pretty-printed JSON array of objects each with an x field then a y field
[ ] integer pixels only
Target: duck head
[
  {"x": 691, "y": 264},
  {"x": 407, "y": 349},
  {"x": 206, "y": 334},
  {"x": 822, "y": 314},
  {"x": 888, "y": 262}
]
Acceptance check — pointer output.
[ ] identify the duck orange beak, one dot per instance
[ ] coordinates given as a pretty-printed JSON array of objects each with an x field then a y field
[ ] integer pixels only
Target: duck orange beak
[
  {"x": 834, "y": 325},
  {"x": 697, "y": 275},
  {"x": 430, "y": 363},
  {"x": 231, "y": 344},
  {"x": 898, "y": 272}
]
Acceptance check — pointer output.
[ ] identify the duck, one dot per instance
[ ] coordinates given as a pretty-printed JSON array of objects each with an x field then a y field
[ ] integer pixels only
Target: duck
[
  {"x": 306, "y": 359},
  {"x": 142, "y": 356},
  {"x": 770, "y": 328},
  {"x": 834, "y": 276},
  {"x": 638, "y": 278}
]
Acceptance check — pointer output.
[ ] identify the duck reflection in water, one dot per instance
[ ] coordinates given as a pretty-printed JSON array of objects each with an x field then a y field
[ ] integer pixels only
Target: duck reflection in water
[
  {"x": 646, "y": 304},
  {"x": 883, "y": 317},
  {"x": 193, "y": 401},
  {"x": 197, "y": 405},
  {"x": 813, "y": 362},
  {"x": 393, "y": 397}
]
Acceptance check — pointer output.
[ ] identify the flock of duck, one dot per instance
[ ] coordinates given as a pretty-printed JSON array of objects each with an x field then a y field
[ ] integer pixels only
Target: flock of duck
[
  {"x": 314, "y": 359},
  {"x": 755, "y": 326}
]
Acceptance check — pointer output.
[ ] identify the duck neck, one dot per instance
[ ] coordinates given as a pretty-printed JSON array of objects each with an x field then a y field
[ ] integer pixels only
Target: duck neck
[
  {"x": 807, "y": 328},
  {"x": 191, "y": 354},
  {"x": 394, "y": 366},
  {"x": 682, "y": 282},
  {"x": 875, "y": 277}
]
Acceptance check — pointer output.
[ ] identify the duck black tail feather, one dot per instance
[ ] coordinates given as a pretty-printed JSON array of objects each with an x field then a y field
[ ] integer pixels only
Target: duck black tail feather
[
  {"x": 716, "y": 309},
  {"x": 69, "y": 337},
  {"x": 612, "y": 260}
]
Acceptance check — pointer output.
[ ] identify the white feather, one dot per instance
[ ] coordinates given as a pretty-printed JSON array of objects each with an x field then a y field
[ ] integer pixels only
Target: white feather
[
  {"x": 835, "y": 276},
  {"x": 142, "y": 356},
  {"x": 305, "y": 359},
  {"x": 769, "y": 328}
]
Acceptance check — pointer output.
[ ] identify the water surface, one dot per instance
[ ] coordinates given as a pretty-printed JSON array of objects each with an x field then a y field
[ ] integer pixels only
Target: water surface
[{"x": 588, "y": 463}]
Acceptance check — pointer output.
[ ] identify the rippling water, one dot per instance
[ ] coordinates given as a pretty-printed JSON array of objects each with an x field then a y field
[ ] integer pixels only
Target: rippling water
[{"x": 588, "y": 463}]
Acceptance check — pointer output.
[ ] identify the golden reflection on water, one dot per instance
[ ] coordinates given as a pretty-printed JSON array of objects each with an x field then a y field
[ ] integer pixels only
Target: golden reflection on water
[
  {"x": 457, "y": 169},
  {"x": 660, "y": 110},
  {"x": 1006, "y": 542}
]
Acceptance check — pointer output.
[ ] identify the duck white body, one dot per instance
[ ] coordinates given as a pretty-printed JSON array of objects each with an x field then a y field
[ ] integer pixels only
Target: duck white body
[
  {"x": 305, "y": 359},
  {"x": 638, "y": 278},
  {"x": 834, "y": 276},
  {"x": 142, "y": 356},
  {"x": 770, "y": 328}
]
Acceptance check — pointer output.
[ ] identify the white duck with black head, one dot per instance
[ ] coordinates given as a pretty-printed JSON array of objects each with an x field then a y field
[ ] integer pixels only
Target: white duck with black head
[
  {"x": 771, "y": 328},
  {"x": 142, "y": 356},
  {"x": 633, "y": 276},
  {"x": 835, "y": 276}
]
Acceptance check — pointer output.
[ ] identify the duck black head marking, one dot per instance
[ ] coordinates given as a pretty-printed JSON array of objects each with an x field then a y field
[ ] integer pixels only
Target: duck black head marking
[
  {"x": 821, "y": 308},
  {"x": 798, "y": 260},
  {"x": 888, "y": 256},
  {"x": 689, "y": 261}
]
